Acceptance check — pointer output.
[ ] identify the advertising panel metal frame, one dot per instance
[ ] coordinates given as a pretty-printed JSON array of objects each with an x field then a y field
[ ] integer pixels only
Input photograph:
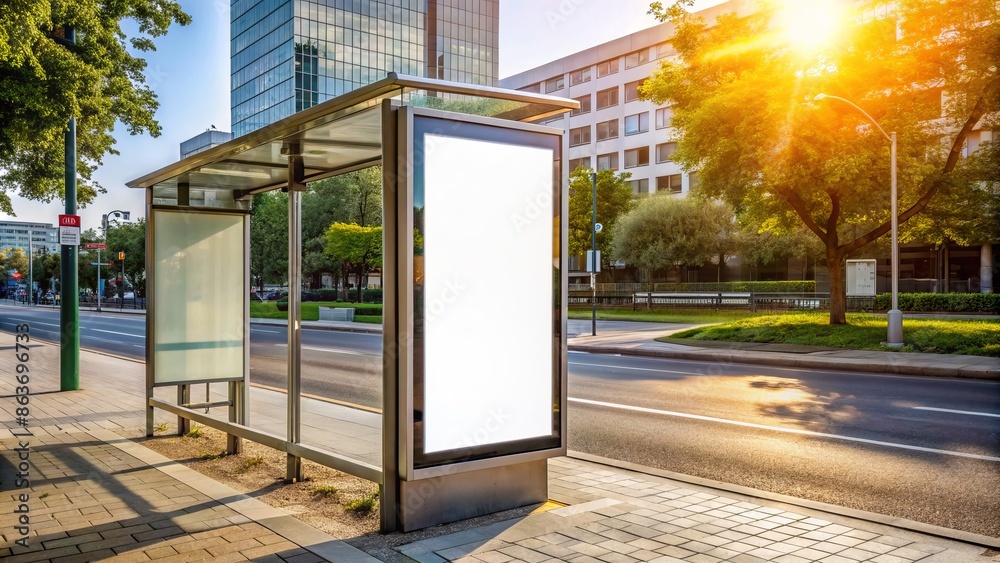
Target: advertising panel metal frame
[{"x": 413, "y": 125}]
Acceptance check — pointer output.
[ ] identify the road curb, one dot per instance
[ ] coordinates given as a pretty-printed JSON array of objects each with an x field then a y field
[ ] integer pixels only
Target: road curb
[
  {"x": 774, "y": 359},
  {"x": 882, "y": 519},
  {"x": 363, "y": 330}
]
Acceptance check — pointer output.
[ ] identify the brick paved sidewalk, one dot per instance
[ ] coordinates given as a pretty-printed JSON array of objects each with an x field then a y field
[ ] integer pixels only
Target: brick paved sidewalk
[
  {"x": 95, "y": 496},
  {"x": 615, "y": 515}
]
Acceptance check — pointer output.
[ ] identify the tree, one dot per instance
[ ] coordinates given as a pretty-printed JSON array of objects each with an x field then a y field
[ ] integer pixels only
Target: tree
[
  {"x": 130, "y": 238},
  {"x": 44, "y": 82},
  {"x": 742, "y": 99},
  {"x": 353, "y": 197},
  {"x": 664, "y": 231},
  {"x": 269, "y": 238},
  {"x": 17, "y": 260},
  {"x": 614, "y": 198},
  {"x": 88, "y": 273},
  {"x": 358, "y": 248}
]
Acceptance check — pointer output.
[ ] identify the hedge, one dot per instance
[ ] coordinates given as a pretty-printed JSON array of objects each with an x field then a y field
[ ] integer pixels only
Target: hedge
[
  {"x": 943, "y": 302},
  {"x": 791, "y": 286},
  {"x": 371, "y": 295}
]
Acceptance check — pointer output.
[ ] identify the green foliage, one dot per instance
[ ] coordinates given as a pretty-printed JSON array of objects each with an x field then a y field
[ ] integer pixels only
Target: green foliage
[
  {"x": 100, "y": 80},
  {"x": 161, "y": 427},
  {"x": 310, "y": 310},
  {"x": 269, "y": 238},
  {"x": 370, "y": 295},
  {"x": 325, "y": 490},
  {"x": 129, "y": 238},
  {"x": 210, "y": 456},
  {"x": 942, "y": 302},
  {"x": 790, "y": 286},
  {"x": 363, "y": 504},
  {"x": 357, "y": 246},
  {"x": 251, "y": 462},
  {"x": 743, "y": 110},
  {"x": 195, "y": 432},
  {"x": 15, "y": 259},
  {"x": 865, "y": 332},
  {"x": 614, "y": 199},
  {"x": 685, "y": 316},
  {"x": 664, "y": 231}
]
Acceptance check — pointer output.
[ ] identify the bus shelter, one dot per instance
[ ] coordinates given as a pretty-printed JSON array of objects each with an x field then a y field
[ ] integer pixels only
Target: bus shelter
[{"x": 473, "y": 379}]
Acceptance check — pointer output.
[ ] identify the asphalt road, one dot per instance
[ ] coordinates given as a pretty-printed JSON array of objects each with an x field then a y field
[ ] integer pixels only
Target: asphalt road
[{"x": 925, "y": 449}]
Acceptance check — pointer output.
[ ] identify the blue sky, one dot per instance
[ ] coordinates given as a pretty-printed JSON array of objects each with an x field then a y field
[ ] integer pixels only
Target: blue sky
[{"x": 190, "y": 74}]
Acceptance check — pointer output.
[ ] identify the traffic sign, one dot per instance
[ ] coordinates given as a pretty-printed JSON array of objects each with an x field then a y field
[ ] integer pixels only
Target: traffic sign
[
  {"x": 97, "y": 245},
  {"x": 69, "y": 236},
  {"x": 598, "y": 227},
  {"x": 99, "y": 264},
  {"x": 69, "y": 221}
]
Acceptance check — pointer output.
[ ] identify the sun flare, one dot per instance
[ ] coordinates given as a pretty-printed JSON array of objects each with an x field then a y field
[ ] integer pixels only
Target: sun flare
[{"x": 810, "y": 24}]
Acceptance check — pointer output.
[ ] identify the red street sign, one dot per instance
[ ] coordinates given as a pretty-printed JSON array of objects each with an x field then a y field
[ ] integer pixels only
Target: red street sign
[
  {"x": 97, "y": 245},
  {"x": 69, "y": 220}
]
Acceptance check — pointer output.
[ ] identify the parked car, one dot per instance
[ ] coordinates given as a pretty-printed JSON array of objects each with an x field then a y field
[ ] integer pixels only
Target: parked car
[
  {"x": 273, "y": 296},
  {"x": 255, "y": 297},
  {"x": 310, "y": 296}
]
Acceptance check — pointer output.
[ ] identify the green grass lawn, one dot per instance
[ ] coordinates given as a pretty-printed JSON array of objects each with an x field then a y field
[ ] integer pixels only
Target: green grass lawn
[
  {"x": 863, "y": 332},
  {"x": 685, "y": 316},
  {"x": 310, "y": 310}
]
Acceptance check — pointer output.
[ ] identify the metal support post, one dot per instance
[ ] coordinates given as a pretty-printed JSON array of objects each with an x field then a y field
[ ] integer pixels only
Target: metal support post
[
  {"x": 234, "y": 444},
  {"x": 593, "y": 259},
  {"x": 895, "y": 316},
  {"x": 293, "y": 470},
  {"x": 183, "y": 398},
  {"x": 69, "y": 304}
]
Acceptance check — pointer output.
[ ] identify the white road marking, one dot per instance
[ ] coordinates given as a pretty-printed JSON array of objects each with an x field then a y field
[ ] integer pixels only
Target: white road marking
[
  {"x": 332, "y": 350},
  {"x": 958, "y": 412},
  {"x": 267, "y": 331},
  {"x": 779, "y": 429},
  {"x": 633, "y": 368},
  {"x": 119, "y": 333}
]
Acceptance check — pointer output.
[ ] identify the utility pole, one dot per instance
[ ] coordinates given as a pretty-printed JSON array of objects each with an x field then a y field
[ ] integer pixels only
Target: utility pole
[
  {"x": 69, "y": 305},
  {"x": 593, "y": 259}
]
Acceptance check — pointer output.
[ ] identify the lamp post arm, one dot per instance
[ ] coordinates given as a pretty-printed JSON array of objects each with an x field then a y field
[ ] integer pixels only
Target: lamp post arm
[{"x": 857, "y": 107}]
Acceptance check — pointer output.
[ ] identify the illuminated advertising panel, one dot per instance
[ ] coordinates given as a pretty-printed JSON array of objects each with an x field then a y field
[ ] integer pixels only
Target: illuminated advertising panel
[{"x": 486, "y": 305}]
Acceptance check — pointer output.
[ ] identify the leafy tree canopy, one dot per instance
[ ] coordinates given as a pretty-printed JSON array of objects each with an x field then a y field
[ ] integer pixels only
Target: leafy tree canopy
[
  {"x": 44, "y": 82},
  {"x": 664, "y": 231},
  {"x": 614, "y": 198},
  {"x": 129, "y": 238},
  {"x": 744, "y": 113}
]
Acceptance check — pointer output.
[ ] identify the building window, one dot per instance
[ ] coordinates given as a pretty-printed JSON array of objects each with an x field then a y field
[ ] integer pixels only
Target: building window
[
  {"x": 639, "y": 186},
  {"x": 664, "y": 50},
  {"x": 663, "y": 116},
  {"x": 579, "y": 76},
  {"x": 579, "y": 136},
  {"x": 607, "y": 161},
  {"x": 637, "y": 157},
  {"x": 607, "y": 67},
  {"x": 554, "y": 84},
  {"x": 607, "y": 98},
  {"x": 637, "y": 58},
  {"x": 632, "y": 90},
  {"x": 584, "y": 105},
  {"x": 607, "y": 130},
  {"x": 533, "y": 88},
  {"x": 637, "y": 123},
  {"x": 669, "y": 184},
  {"x": 665, "y": 152},
  {"x": 575, "y": 163}
]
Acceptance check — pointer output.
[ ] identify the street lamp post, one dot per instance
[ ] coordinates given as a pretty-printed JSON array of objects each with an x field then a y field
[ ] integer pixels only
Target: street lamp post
[
  {"x": 894, "y": 336},
  {"x": 104, "y": 231}
]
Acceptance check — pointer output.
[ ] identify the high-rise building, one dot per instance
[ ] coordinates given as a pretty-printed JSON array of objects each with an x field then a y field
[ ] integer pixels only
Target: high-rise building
[
  {"x": 204, "y": 141},
  {"x": 614, "y": 129},
  {"x": 289, "y": 55},
  {"x": 16, "y": 234}
]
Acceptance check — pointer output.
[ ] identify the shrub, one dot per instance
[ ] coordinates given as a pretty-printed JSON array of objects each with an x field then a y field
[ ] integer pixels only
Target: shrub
[
  {"x": 327, "y": 294},
  {"x": 791, "y": 286},
  {"x": 370, "y": 295},
  {"x": 943, "y": 302},
  {"x": 363, "y": 504}
]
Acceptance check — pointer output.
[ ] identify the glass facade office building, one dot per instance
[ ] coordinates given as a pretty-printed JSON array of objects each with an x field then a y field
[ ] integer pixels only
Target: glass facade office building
[{"x": 289, "y": 55}]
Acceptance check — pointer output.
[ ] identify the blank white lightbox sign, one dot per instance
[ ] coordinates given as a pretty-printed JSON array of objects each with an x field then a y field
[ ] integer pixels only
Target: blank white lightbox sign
[{"x": 488, "y": 294}]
